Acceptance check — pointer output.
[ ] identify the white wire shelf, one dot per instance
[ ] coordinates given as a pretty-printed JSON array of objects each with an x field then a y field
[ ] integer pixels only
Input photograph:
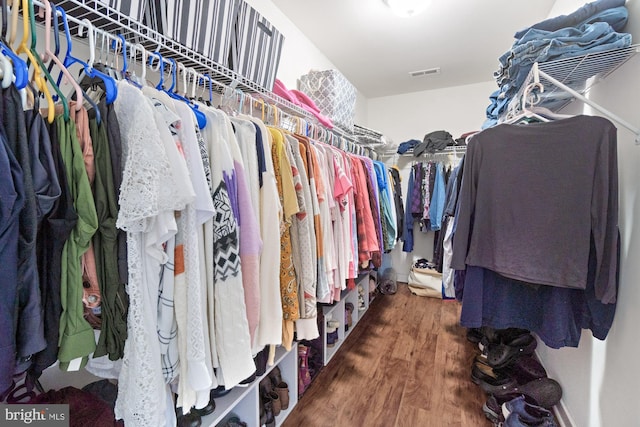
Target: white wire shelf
[
  {"x": 113, "y": 21},
  {"x": 369, "y": 137},
  {"x": 579, "y": 73}
]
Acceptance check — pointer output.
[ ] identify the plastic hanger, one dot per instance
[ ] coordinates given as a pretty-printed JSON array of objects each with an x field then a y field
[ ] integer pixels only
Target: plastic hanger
[
  {"x": 543, "y": 111},
  {"x": 159, "y": 68},
  {"x": 56, "y": 34},
  {"x": 201, "y": 119},
  {"x": 49, "y": 55},
  {"x": 119, "y": 46},
  {"x": 22, "y": 48},
  {"x": 107, "y": 83},
  {"x": 20, "y": 70},
  {"x": 194, "y": 77},
  {"x": 525, "y": 112},
  {"x": 7, "y": 72},
  {"x": 30, "y": 28},
  {"x": 132, "y": 76},
  {"x": 208, "y": 77}
]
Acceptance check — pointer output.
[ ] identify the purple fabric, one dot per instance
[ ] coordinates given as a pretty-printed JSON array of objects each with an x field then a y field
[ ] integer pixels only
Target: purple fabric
[
  {"x": 416, "y": 194},
  {"x": 231, "y": 182},
  {"x": 250, "y": 242},
  {"x": 373, "y": 179}
]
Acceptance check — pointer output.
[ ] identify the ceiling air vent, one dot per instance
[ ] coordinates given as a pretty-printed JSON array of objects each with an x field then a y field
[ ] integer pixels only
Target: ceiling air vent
[{"x": 427, "y": 72}]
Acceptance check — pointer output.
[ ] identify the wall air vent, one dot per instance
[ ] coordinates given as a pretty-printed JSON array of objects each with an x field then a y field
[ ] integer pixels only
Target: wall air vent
[{"x": 427, "y": 72}]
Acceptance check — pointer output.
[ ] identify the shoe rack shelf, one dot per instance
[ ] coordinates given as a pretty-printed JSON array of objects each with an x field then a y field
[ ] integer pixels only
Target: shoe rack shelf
[
  {"x": 243, "y": 402},
  {"x": 337, "y": 312}
]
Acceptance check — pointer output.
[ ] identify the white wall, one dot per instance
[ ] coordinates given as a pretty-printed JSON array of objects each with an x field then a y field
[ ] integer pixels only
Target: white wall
[
  {"x": 410, "y": 116},
  {"x": 299, "y": 54},
  {"x": 599, "y": 379}
]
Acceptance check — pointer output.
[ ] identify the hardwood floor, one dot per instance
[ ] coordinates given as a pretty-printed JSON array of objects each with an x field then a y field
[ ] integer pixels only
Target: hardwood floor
[{"x": 406, "y": 364}]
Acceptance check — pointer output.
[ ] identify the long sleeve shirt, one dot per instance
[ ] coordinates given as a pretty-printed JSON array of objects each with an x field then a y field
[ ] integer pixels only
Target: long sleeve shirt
[{"x": 535, "y": 199}]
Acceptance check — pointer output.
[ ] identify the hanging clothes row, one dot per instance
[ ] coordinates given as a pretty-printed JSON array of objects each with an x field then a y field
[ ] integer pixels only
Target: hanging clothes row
[
  {"x": 174, "y": 240},
  {"x": 431, "y": 199}
]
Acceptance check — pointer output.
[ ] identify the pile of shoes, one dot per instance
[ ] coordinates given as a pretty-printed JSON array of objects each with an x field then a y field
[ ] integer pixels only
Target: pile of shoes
[
  {"x": 310, "y": 362},
  {"x": 274, "y": 397},
  {"x": 519, "y": 392}
]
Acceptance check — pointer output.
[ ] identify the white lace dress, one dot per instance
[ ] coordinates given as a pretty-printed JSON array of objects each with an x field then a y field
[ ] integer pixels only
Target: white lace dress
[{"x": 148, "y": 198}]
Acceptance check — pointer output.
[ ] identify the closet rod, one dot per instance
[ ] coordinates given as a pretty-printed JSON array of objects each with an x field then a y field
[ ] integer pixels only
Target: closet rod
[
  {"x": 273, "y": 101},
  {"x": 539, "y": 73},
  {"x": 107, "y": 18}
]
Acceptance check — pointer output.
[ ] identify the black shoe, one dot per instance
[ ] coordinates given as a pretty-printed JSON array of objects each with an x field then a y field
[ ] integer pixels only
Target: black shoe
[
  {"x": 490, "y": 380},
  {"x": 189, "y": 419},
  {"x": 474, "y": 335},
  {"x": 219, "y": 392},
  {"x": 211, "y": 406}
]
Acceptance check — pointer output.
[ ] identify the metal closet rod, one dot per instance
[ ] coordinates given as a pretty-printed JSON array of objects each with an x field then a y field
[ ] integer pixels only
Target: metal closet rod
[{"x": 278, "y": 104}]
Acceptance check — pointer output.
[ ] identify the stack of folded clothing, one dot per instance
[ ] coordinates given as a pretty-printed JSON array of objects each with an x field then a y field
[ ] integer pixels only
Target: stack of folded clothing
[
  {"x": 519, "y": 393},
  {"x": 301, "y": 100},
  {"x": 595, "y": 27}
]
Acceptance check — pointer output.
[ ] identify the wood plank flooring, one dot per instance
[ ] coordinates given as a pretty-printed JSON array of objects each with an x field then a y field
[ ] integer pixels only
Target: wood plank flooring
[{"x": 406, "y": 364}]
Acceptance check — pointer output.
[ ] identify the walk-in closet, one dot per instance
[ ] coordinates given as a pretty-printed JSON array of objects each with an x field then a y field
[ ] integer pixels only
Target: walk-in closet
[{"x": 243, "y": 213}]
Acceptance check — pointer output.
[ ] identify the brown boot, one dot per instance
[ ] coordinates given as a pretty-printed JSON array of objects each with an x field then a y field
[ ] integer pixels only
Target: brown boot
[
  {"x": 275, "y": 403},
  {"x": 283, "y": 392}
]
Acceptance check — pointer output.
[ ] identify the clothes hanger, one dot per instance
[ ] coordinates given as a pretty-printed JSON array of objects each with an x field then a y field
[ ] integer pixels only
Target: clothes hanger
[
  {"x": 7, "y": 72},
  {"x": 50, "y": 56},
  {"x": 20, "y": 70},
  {"x": 131, "y": 76},
  {"x": 201, "y": 119},
  {"x": 143, "y": 63},
  {"x": 30, "y": 28},
  {"x": 36, "y": 76},
  {"x": 543, "y": 111},
  {"x": 56, "y": 34},
  {"x": 208, "y": 77},
  {"x": 119, "y": 46},
  {"x": 159, "y": 68},
  {"x": 95, "y": 76},
  {"x": 525, "y": 112},
  {"x": 225, "y": 102},
  {"x": 194, "y": 77},
  {"x": 29, "y": 23}
]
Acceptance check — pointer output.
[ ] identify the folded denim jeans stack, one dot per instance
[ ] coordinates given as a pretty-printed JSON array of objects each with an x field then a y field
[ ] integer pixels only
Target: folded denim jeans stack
[
  {"x": 595, "y": 27},
  {"x": 519, "y": 393}
]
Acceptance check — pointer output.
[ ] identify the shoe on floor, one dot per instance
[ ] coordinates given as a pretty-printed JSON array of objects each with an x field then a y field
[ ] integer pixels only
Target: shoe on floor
[
  {"x": 546, "y": 391},
  {"x": 505, "y": 353},
  {"x": 527, "y": 413},
  {"x": 491, "y": 380},
  {"x": 492, "y": 408}
]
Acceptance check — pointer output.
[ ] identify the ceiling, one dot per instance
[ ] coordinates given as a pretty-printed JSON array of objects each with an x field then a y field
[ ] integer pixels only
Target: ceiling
[{"x": 376, "y": 50}]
